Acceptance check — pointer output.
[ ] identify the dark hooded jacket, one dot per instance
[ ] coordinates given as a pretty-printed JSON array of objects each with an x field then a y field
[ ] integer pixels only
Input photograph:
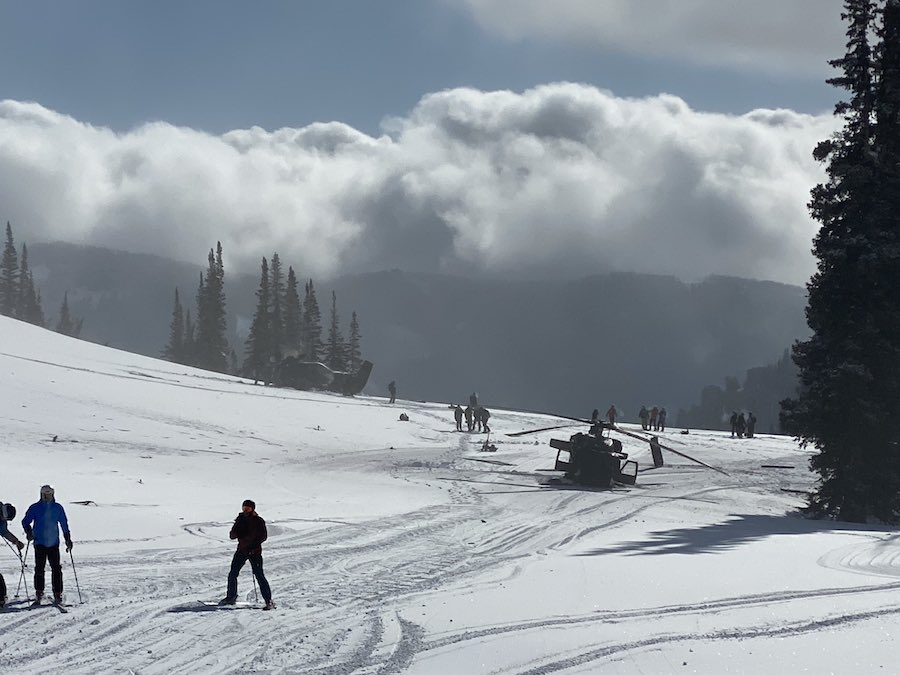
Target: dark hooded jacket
[{"x": 250, "y": 531}]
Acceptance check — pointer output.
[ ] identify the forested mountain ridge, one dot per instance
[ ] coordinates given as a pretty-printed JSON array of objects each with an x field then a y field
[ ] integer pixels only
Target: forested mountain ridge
[{"x": 562, "y": 346}]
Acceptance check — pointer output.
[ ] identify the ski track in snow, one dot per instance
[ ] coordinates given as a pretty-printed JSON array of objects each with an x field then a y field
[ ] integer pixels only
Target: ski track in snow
[{"x": 348, "y": 590}]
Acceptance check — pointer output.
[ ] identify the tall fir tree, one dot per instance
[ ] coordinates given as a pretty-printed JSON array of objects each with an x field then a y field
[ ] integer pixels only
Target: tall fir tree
[
  {"x": 335, "y": 347},
  {"x": 258, "y": 345},
  {"x": 174, "y": 349},
  {"x": 850, "y": 366},
  {"x": 29, "y": 304},
  {"x": 354, "y": 344},
  {"x": 276, "y": 308},
  {"x": 312, "y": 324},
  {"x": 9, "y": 276},
  {"x": 293, "y": 312},
  {"x": 67, "y": 324},
  {"x": 212, "y": 319}
]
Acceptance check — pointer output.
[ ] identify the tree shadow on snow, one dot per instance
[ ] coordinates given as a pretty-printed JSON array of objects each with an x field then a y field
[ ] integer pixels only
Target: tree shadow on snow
[{"x": 729, "y": 534}]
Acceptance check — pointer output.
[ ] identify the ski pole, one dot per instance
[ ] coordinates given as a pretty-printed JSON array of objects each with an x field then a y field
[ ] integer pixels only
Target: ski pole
[
  {"x": 75, "y": 574},
  {"x": 18, "y": 554},
  {"x": 255, "y": 595},
  {"x": 22, "y": 560}
]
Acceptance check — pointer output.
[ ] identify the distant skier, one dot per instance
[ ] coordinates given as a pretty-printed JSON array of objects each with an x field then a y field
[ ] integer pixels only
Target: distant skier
[
  {"x": 595, "y": 417},
  {"x": 250, "y": 531},
  {"x": 458, "y": 416},
  {"x": 662, "y": 420},
  {"x": 7, "y": 513},
  {"x": 392, "y": 389},
  {"x": 612, "y": 414},
  {"x": 734, "y": 422},
  {"x": 654, "y": 416},
  {"x": 751, "y": 424},
  {"x": 468, "y": 413},
  {"x": 42, "y": 523},
  {"x": 473, "y": 400}
]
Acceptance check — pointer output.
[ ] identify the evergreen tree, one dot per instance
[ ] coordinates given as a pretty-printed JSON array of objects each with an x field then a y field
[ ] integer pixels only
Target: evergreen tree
[
  {"x": 312, "y": 324},
  {"x": 67, "y": 324},
  {"x": 257, "y": 348},
  {"x": 354, "y": 345},
  {"x": 212, "y": 320},
  {"x": 174, "y": 350},
  {"x": 276, "y": 307},
  {"x": 189, "y": 344},
  {"x": 293, "y": 312},
  {"x": 29, "y": 304},
  {"x": 9, "y": 276},
  {"x": 850, "y": 367},
  {"x": 335, "y": 348}
]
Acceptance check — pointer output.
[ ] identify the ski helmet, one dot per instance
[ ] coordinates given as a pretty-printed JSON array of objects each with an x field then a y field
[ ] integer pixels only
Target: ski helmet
[{"x": 8, "y": 511}]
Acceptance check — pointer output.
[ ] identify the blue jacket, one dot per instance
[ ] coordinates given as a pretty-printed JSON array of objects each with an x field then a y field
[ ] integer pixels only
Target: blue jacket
[{"x": 47, "y": 517}]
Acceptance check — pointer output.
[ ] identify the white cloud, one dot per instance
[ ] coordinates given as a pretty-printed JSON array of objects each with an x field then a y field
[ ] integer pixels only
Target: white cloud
[
  {"x": 775, "y": 36},
  {"x": 562, "y": 179}
]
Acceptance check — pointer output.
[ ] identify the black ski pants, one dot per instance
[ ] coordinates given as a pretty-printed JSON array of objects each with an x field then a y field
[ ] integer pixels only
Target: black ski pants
[
  {"x": 41, "y": 555},
  {"x": 256, "y": 564}
]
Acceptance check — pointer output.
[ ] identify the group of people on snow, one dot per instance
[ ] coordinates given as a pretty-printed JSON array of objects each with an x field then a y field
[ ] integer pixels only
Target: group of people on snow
[
  {"x": 653, "y": 419},
  {"x": 742, "y": 426},
  {"x": 42, "y": 523},
  {"x": 45, "y": 518},
  {"x": 476, "y": 416}
]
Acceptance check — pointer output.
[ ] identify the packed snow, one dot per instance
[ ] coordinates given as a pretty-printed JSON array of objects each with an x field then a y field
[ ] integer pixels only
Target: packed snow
[{"x": 403, "y": 547}]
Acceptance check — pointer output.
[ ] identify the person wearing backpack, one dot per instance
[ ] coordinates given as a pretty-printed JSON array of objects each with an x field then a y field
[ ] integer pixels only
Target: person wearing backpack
[
  {"x": 7, "y": 513},
  {"x": 42, "y": 523}
]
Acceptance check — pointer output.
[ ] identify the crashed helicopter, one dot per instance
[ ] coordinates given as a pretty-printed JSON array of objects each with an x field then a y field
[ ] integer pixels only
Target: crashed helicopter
[
  {"x": 294, "y": 372},
  {"x": 598, "y": 460}
]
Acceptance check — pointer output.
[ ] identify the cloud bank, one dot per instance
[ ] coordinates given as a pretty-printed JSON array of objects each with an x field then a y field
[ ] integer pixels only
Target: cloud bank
[
  {"x": 562, "y": 180},
  {"x": 773, "y": 36}
]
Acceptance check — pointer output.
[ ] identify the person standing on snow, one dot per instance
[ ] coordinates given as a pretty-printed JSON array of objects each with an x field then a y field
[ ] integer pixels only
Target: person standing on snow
[
  {"x": 392, "y": 390},
  {"x": 7, "y": 513},
  {"x": 458, "y": 416},
  {"x": 250, "y": 531},
  {"x": 47, "y": 517},
  {"x": 612, "y": 414}
]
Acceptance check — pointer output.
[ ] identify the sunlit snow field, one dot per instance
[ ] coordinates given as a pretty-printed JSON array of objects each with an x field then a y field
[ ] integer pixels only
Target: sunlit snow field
[{"x": 400, "y": 546}]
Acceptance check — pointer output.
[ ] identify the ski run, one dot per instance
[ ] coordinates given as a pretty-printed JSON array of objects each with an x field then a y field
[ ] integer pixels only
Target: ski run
[{"x": 400, "y": 547}]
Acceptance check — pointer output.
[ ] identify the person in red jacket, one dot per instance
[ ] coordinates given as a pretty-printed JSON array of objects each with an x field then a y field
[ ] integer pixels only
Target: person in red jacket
[{"x": 250, "y": 531}]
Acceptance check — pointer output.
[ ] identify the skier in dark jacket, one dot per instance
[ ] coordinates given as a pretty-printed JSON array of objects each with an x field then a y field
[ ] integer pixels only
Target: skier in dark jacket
[
  {"x": 734, "y": 422},
  {"x": 42, "y": 523},
  {"x": 392, "y": 390},
  {"x": 458, "y": 416},
  {"x": 741, "y": 425},
  {"x": 250, "y": 531},
  {"x": 751, "y": 424},
  {"x": 468, "y": 414},
  {"x": 7, "y": 513},
  {"x": 644, "y": 415}
]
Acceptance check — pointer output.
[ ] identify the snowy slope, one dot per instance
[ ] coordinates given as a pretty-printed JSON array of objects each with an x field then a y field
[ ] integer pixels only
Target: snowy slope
[{"x": 400, "y": 547}]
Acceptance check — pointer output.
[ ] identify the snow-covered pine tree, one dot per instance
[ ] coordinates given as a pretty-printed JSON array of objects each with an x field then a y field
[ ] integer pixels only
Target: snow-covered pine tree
[
  {"x": 335, "y": 347},
  {"x": 312, "y": 324},
  {"x": 174, "y": 349},
  {"x": 354, "y": 344},
  {"x": 276, "y": 307},
  {"x": 9, "y": 276},
  {"x": 293, "y": 312},
  {"x": 212, "y": 322},
  {"x": 257, "y": 347},
  {"x": 67, "y": 324},
  {"x": 850, "y": 367},
  {"x": 29, "y": 304}
]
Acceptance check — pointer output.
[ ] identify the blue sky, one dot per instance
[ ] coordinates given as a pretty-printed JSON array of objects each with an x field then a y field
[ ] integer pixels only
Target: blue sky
[
  {"x": 520, "y": 138},
  {"x": 221, "y": 65}
]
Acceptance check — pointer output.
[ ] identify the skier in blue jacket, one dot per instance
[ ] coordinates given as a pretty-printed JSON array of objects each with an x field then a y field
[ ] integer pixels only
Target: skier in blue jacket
[{"x": 47, "y": 517}]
